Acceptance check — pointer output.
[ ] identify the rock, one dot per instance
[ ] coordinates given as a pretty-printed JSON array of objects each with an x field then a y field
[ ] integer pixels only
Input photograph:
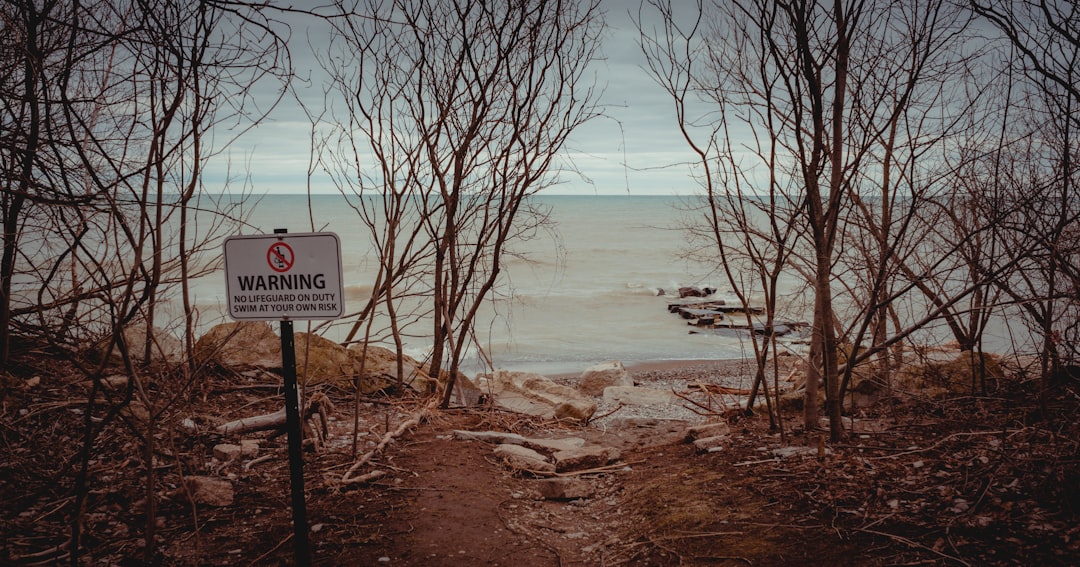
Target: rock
[
  {"x": 164, "y": 347},
  {"x": 210, "y": 490},
  {"x": 565, "y": 488},
  {"x": 498, "y": 437},
  {"x": 320, "y": 360},
  {"x": 533, "y": 394},
  {"x": 779, "y": 329},
  {"x": 637, "y": 396},
  {"x": 575, "y": 410},
  {"x": 240, "y": 344},
  {"x": 226, "y": 452},
  {"x": 331, "y": 362},
  {"x": 596, "y": 378},
  {"x": 710, "y": 444},
  {"x": 381, "y": 362},
  {"x": 115, "y": 382},
  {"x": 553, "y": 445},
  {"x": 698, "y": 313},
  {"x": 541, "y": 388},
  {"x": 524, "y": 459},
  {"x": 584, "y": 458},
  {"x": 720, "y": 428},
  {"x": 793, "y": 400},
  {"x": 694, "y": 291},
  {"x": 788, "y": 452},
  {"x": 637, "y": 432},
  {"x": 863, "y": 394},
  {"x": 249, "y": 448},
  {"x": 466, "y": 392}
]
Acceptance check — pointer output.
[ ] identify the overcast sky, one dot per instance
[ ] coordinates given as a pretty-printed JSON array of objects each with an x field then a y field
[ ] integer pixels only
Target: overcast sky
[{"x": 635, "y": 149}]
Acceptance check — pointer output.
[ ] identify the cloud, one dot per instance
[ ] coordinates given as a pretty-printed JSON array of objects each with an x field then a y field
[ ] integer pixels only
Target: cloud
[{"x": 633, "y": 148}]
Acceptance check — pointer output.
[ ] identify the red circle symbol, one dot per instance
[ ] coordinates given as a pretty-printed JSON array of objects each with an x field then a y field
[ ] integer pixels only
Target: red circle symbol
[{"x": 280, "y": 257}]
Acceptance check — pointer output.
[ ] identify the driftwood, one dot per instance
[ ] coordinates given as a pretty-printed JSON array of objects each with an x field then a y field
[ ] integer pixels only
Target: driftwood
[
  {"x": 413, "y": 420},
  {"x": 319, "y": 405},
  {"x": 264, "y": 422},
  {"x": 717, "y": 389}
]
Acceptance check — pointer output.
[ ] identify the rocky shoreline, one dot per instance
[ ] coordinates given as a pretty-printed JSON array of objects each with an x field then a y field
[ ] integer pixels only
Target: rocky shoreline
[{"x": 690, "y": 391}]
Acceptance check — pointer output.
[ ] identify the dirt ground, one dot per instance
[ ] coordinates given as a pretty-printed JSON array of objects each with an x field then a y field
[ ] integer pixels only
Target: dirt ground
[{"x": 962, "y": 480}]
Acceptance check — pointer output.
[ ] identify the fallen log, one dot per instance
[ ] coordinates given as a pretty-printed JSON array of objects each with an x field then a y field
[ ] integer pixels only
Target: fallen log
[
  {"x": 264, "y": 422},
  {"x": 319, "y": 404}
]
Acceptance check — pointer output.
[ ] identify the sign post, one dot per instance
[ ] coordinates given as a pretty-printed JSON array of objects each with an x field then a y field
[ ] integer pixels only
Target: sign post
[{"x": 285, "y": 277}]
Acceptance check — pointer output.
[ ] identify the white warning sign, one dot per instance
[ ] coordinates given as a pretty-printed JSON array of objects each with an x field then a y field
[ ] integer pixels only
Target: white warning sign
[{"x": 280, "y": 277}]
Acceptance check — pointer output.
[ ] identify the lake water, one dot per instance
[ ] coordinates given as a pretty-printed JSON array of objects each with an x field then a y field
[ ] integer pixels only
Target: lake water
[{"x": 588, "y": 295}]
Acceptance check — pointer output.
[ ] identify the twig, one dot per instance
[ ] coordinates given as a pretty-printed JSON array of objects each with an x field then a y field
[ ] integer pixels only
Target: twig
[
  {"x": 868, "y": 447},
  {"x": 941, "y": 442},
  {"x": 398, "y": 469},
  {"x": 245, "y": 387},
  {"x": 708, "y": 411},
  {"x": 785, "y": 526},
  {"x": 725, "y": 558},
  {"x": 373, "y": 475},
  {"x": 762, "y": 461},
  {"x": 46, "y": 555},
  {"x": 50, "y": 561},
  {"x": 602, "y": 416},
  {"x": 718, "y": 389},
  {"x": 253, "y": 462},
  {"x": 259, "y": 559},
  {"x": 695, "y": 535},
  {"x": 877, "y": 521},
  {"x": 914, "y": 544},
  {"x": 58, "y": 506}
]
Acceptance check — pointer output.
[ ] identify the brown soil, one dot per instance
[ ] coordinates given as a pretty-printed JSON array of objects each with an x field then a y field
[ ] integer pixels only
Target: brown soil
[{"x": 986, "y": 480}]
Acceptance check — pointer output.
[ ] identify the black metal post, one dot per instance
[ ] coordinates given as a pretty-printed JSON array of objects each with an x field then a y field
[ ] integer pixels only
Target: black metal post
[{"x": 296, "y": 455}]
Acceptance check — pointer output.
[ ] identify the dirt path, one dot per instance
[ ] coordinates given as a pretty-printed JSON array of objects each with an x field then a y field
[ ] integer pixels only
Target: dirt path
[
  {"x": 448, "y": 505},
  {"x": 449, "y": 502}
]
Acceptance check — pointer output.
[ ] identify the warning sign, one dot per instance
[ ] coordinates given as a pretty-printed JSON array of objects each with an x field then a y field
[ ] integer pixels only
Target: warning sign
[{"x": 278, "y": 277}]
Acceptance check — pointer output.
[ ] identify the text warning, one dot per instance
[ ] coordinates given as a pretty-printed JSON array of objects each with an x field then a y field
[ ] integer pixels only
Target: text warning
[{"x": 278, "y": 277}]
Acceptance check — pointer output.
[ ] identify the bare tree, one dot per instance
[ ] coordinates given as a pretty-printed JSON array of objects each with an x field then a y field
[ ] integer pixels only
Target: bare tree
[
  {"x": 374, "y": 157},
  {"x": 108, "y": 106},
  {"x": 911, "y": 109},
  {"x": 746, "y": 216},
  {"x": 1041, "y": 238},
  {"x": 854, "y": 108},
  {"x": 797, "y": 43},
  {"x": 473, "y": 104}
]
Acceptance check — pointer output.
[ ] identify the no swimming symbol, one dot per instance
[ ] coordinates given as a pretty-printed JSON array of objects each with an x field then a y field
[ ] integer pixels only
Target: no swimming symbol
[{"x": 280, "y": 257}]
